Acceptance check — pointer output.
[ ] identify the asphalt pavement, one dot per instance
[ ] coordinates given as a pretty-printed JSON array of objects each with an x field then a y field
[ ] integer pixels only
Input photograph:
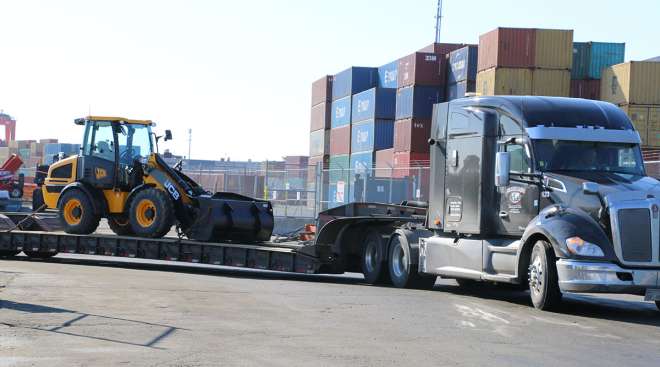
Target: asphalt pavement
[{"x": 78, "y": 310}]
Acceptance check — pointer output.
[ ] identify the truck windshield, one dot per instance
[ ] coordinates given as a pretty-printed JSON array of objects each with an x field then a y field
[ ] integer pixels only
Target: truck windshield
[{"x": 561, "y": 155}]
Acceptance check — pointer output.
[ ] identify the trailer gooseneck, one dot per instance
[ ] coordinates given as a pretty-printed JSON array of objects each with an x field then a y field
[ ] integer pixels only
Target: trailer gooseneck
[{"x": 548, "y": 193}]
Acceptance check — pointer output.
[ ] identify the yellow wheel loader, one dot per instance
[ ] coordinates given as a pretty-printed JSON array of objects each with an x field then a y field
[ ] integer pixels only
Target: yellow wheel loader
[{"x": 119, "y": 175}]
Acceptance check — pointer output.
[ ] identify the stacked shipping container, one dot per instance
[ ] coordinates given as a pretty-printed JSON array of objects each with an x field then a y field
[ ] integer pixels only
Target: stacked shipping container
[
  {"x": 633, "y": 86},
  {"x": 589, "y": 59},
  {"x": 421, "y": 84},
  {"x": 462, "y": 72},
  {"x": 523, "y": 61},
  {"x": 319, "y": 138}
]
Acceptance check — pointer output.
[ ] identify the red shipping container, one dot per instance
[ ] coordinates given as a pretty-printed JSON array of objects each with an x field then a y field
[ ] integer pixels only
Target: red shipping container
[
  {"x": 320, "y": 117},
  {"x": 340, "y": 140},
  {"x": 507, "y": 47},
  {"x": 412, "y": 135},
  {"x": 442, "y": 48},
  {"x": 322, "y": 90},
  {"x": 407, "y": 164},
  {"x": 588, "y": 89},
  {"x": 384, "y": 162},
  {"x": 422, "y": 68}
]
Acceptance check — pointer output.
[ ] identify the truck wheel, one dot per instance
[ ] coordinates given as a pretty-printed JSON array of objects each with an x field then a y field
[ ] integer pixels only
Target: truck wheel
[
  {"x": 77, "y": 213},
  {"x": 402, "y": 272},
  {"x": 373, "y": 259},
  {"x": 151, "y": 213},
  {"x": 543, "y": 281},
  {"x": 37, "y": 199},
  {"x": 120, "y": 225}
]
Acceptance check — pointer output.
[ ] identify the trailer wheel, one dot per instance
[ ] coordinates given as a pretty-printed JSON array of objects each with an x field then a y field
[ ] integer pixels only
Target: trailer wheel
[
  {"x": 120, "y": 225},
  {"x": 373, "y": 259},
  {"x": 151, "y": 213},
  {"x": 77, "y": 213},
  {"x": 37, "y": 199},
  {"x": 543, "y": 280},
  {"x": 402, "y": 272}
]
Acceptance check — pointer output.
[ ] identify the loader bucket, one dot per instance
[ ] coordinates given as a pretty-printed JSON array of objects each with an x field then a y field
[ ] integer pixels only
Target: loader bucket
[{"x": 231, "y": 217}]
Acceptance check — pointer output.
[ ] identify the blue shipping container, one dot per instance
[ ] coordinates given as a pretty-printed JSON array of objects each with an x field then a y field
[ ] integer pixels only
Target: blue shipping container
[
  {"x": 463, "y": 64},
  {"x": 590, "y": 58},
  {"x": 375, "y": 103},
  {"x": 459, "y": 89},
  {"x": 338, "y": 195},
  {"x": 372, "y": 135},
  {"x": 387, "y": 75},
  {"x": 340, "y": 112},
  {"x": 353, "y": 80},
  {"x": 362, "y": 163},
  {"x": 417, "y": 102}
]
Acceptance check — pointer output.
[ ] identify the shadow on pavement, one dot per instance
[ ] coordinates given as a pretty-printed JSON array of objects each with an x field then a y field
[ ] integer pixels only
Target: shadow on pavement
[
  {"x": 584, "y": 305},
  {"x": 78, "y": 316}
]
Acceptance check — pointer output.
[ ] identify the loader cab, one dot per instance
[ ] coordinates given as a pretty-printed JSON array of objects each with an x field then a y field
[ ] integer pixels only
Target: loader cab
[{"x": 113, "y": 149}]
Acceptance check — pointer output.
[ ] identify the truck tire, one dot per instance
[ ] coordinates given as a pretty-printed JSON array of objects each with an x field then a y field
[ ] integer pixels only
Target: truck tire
[
  {"x": 402, "y": 272},
  {"x": 373, "y": 259},
  {"x": 151, "y": 213},
  {"x": 120, "y": 225},
  {"x": 543, "y": 280},
  {"x": 37, "y": 199},
  {"x": 77, "y": 213}
]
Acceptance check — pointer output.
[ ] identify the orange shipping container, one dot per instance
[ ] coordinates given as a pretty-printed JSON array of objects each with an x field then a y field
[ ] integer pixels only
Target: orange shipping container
[{"x": 634, "y": 82}]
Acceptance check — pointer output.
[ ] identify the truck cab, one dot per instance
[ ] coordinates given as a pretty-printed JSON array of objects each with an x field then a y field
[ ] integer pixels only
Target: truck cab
[{"x": 545, "y": 191}]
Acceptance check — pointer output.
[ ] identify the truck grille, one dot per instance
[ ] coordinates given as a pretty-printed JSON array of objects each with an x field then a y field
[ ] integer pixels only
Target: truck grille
[{"x": 638, "y": 239}]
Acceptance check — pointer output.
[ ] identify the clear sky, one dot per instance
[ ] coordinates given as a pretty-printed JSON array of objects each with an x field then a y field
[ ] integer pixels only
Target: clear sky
[{"x": 239, "y": 72}]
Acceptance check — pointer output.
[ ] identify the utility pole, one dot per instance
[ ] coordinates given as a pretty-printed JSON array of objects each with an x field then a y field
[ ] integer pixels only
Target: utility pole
[
  {"x": 189, "y": 141},
  {"x": 438, "y": 22}
]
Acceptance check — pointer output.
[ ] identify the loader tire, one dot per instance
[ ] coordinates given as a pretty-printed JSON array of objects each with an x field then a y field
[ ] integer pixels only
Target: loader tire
[
  {"x": 120, "y": 225},
  {"x": 151, "y": 213},
  {"x": 77, "y": 213}
]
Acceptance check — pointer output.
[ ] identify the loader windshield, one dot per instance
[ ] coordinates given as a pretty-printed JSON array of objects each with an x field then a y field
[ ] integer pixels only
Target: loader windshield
[{"x": 134, "y": 143}]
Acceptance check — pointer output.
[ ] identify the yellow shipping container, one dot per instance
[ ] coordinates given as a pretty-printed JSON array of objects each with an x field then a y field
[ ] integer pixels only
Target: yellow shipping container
[
  {"x": 554, "y": 49},
  {"x": 634, "y": 82},
  {"x": 504, "y": 81},
  {"x": 520, "y": 81},
  {"x": 547, "y": 82},
  {"x": 646, "y": 120}
]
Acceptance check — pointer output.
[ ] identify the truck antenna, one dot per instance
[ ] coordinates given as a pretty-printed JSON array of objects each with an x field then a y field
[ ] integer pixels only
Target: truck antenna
[{"x": 438, "y": 22}]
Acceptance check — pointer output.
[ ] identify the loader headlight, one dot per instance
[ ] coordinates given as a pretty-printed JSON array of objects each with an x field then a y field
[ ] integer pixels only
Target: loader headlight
[{"x": 578, "y": 246}]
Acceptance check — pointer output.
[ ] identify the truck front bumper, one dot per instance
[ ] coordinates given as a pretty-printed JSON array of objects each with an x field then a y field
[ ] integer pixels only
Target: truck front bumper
[{"x": 603, "y": 277}]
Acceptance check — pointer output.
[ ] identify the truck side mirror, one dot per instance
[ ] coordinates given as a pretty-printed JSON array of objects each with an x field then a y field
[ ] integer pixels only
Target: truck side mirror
[
  {"x": 502, "y": 168},
  {"x": 168, "y": 135},
  {"x": 590, "y": 188}
]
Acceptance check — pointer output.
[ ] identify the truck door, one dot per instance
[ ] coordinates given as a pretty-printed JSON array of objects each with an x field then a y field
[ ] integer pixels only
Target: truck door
[{"x": 519, "y": 201}]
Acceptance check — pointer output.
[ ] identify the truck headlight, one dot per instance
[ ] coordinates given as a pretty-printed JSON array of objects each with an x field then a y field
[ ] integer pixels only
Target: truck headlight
[{"x": 578, "y": 246}]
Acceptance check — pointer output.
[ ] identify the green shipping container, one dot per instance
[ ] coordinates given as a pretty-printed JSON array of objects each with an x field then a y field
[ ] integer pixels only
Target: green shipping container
[{"x": 340, "y": 166}]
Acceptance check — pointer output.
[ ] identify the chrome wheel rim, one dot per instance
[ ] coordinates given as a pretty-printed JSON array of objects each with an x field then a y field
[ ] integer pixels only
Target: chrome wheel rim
[
  {"x": 371, "y": 256},
  {"x": 536, "y": 273},
  {"x": 399, "y": 261}
]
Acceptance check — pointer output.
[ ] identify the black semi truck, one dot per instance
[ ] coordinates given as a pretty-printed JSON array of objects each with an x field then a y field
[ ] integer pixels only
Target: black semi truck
[{"x": 546, "y": 193}]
